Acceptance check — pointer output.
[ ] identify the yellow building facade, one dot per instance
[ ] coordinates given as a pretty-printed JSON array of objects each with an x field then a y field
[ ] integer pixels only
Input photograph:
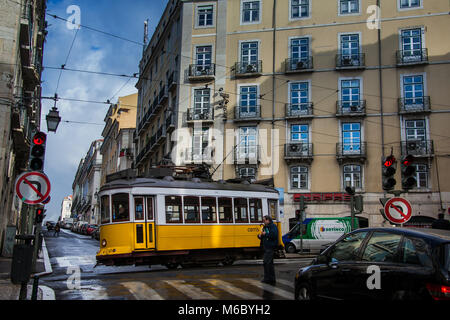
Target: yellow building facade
[{"x": 310, "y": 94}]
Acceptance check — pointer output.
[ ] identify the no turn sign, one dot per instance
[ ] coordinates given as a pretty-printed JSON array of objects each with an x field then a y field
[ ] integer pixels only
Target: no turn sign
[
  {"x": 398, "y": 210},
  {"x": 33, "y": 187}
]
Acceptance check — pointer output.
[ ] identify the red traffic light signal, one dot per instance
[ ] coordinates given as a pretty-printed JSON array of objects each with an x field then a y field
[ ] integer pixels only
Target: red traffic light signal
[
  {"x": 389, "y": 161},
  {"x": 39, "y": 138},
  {"x": 37, "y": 152},
  {"x": 39, "y": 217},
  {"x": 389, "y": 167}
]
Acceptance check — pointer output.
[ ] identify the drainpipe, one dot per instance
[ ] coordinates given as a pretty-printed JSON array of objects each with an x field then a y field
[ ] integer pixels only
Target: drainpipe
[
  {"x": 380, "y": 77},
  {"x": 274, "y": 27}
]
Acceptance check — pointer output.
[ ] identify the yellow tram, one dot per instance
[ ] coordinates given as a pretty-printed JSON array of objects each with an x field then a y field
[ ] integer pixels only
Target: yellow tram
[{"x": 171, "y": 222}]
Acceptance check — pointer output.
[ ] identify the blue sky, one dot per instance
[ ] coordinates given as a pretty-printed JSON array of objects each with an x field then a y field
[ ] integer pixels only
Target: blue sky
[{"x": 95, "y": 52}]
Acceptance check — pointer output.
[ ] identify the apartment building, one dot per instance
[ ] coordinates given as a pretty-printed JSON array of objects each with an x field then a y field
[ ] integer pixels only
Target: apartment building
[
  {"x": 117, "y": 149},
  {"x": 310, "y": 93},
  {"x": 22, "y": 35},
  {"x": 66, "y": 206}
]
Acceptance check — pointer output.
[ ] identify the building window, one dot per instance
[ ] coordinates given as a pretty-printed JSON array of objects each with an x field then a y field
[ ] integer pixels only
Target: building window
[
  {"x": 299, "y": 177},
  {"x": 350, "y": 93},
  {"x": 248, "y": 101},
  {"x": 351, "y": 137},
  {"x": 299, "y": 51},
  {"x": 247, "y": 172},
  {"x": 200, "y": 143},
  {"x": 299, "y": 9},
  {"x": 348, "y": 6},
  {"x": 247, "y": 147},
  {"x": 352, "y": 174},
  {"x": 203, "y": 56},
  {"x": 350, "y": 48},
  {"x": 300, "y": 133},
  {"x": 421, "y": 175},
  {"x": 201, "y": 101},
  {"x": 205, "y": 16},
  {"x": 411, "y": 45},
  {"x": 299, "y": 97},
  {"x": 406, "y": 4},
  {"x": 251, "y": 11},
  {"x": 413, "y": 91},
  {"x": 249, "y": 53},
  {"x": 415, "y": 130}
]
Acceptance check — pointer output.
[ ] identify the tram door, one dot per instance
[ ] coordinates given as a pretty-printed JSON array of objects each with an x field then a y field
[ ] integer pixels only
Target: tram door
[{"x": 144, "y": 223}]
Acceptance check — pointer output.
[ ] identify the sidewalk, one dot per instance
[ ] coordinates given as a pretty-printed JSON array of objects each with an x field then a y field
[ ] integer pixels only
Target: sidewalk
[{"x": 10, "y": 291}]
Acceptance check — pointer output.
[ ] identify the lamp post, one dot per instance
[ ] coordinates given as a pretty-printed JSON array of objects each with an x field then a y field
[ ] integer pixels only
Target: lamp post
[{"x": 53, "y": 119}]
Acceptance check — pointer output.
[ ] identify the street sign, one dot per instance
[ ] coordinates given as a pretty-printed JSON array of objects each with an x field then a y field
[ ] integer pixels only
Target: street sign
[
  {"x": 398, "y": 210},
  {"x": 33, "y": 187}
]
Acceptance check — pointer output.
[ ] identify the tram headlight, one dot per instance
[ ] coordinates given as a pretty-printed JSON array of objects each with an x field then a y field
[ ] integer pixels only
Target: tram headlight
[{"x": 104, "y": 243}]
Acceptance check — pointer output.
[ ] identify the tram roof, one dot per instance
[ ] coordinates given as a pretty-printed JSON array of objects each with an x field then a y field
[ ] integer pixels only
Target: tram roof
[{"x": 185, "y": 184}]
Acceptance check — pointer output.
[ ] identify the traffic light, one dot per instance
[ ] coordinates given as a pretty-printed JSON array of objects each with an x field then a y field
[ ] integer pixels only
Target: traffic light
[
  {"x": 409, "y": 180},
  {"x": 358, "y": 204},
  {"x": 389, "y": 167},
  {"x": 37, "y": 152},
  {"x": 39, "y": 217}
]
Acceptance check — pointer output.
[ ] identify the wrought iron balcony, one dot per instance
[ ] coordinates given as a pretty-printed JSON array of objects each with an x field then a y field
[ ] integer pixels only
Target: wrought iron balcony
[
  {"x": 298, "y": 151},
  {"x": 247, "y": 154},
  {"x": 418, "y": 148},
  {"x": 350, "y": 108},
  {"x": 248, "y": 69},
  {"x": 163, "y": 95},
  {"x": 351, "y": 151},
  {"x": 199, "y": 155},
  {"x": 412, "y": 57},
  {"x": 299, "y": 110},
  {"x": 247, "y": 113},
  {"x": 414, "y": 105},
  {"x": 161, "y": 134},
  {"x": 205, "y": 115},
  {"x": 200, "y": 72},
  {"x": 350, "y": 61},
  {"x": 294, "y": 65},
  {"x": 170, "y": 123},
  {"x": 172, "y": 80}
]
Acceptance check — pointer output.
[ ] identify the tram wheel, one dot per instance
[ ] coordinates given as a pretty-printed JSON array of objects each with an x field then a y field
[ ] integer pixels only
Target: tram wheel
[
  {"x": 228, "y": 261},
  {"x": 171, "y": 265}
]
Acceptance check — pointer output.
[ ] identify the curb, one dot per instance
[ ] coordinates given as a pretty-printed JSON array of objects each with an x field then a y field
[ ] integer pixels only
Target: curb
[{"x": 47, "y": 293}]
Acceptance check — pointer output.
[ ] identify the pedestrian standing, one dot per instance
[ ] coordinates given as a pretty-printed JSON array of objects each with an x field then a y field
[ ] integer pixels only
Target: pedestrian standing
[
  {"x": 269, "y": 239},
  {"x": 57, "y": 229}
]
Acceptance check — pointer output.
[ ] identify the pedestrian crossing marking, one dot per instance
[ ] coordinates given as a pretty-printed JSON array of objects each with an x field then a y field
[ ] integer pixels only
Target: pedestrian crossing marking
[
  {"x": 70, "y": 261},
  {"x": 233, "y": 289},
  {"x": 267, "y": 287},
  {"x": 286, "y": 282},
  {"x": 142, "y": 291},
  {"x": 190, "y": 290}
]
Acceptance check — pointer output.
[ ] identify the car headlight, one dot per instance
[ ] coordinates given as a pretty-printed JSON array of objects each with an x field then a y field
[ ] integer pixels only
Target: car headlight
[{"x": 104, "y": 243}]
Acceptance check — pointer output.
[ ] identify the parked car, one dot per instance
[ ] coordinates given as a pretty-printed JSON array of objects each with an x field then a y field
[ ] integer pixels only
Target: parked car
[
  {"x": 96, "y": 234},
  {"x": 90, "y": 228},
  {"x": 83, "y": 228},
  {"x": 380, "y": 263}
]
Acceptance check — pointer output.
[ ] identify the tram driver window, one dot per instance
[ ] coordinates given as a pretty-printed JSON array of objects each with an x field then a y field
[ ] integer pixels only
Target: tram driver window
[
  {"x": 191, "y": 210},
  {"x": 173, "y": 209},
  {"x": 240, "y": 210},
  {"x": 225, "y": 210},
  {"x": 209, "y": 210},
  {"x": 120, "y": 206},
  {"x": 104, "y": 210}
]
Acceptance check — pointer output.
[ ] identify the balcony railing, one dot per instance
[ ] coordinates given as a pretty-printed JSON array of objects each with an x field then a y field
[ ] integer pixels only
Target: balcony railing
[
  {"x": 198, "y": 155},
  {"x": 247, "y": 154},
  {"x": 410, "y": 57},
  {"x": 200, "y": 72},
  {"x": 298, "y": 65},
  {"x": 351, "y": 151},
  {"x": 351, "y": 108},
  {"x": 298, "y": 151},
  {"x": 163, "y": 95},
  {"x": 170, "y": 123},
  {"x": 205, "y": 114},
  {"x": 414, "y": 105},
  {"x": 299, "y": 110},
  {"x": 247, "y": 113},
  {"x": 172, "y": 80},
  {"x": 248, "y": 69},
  {"x": 419, "y": 148},
  {"x": 350, "y": 61}
]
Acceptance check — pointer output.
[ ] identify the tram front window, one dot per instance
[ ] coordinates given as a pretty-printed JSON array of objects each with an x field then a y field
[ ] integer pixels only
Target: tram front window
[
  {"x": 121, "y": 207},
  {"x": 104, "y": 210}
]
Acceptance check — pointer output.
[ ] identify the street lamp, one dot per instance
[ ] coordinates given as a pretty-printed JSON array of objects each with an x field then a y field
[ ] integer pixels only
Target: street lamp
[{"x": 53, "y": 120}]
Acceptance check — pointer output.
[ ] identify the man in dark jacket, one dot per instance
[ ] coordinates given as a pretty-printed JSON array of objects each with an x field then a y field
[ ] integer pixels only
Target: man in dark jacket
[{"x": 269, "y": 238}]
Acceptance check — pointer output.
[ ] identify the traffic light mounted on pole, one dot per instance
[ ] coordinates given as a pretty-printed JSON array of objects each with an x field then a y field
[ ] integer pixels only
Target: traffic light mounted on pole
[
  {"x": 389, "y": 167},
  {"x": 39, "y": 217},
  {"x": 409, "y": 179},
  {"x": 37, "y": 152}
]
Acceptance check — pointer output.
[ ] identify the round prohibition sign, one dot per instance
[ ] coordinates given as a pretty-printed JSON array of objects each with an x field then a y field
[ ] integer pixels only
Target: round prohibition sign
[
  {"x": 33, "y": 187},
  {"x": 398, "y": 210}
]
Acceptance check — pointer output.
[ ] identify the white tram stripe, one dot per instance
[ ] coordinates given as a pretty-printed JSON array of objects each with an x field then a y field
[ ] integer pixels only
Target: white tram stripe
[
  {"x": 233, "y": 289},
  {"x": 141, "y": 291},
  {"x": 190, "y": 291},
  {"x": 267, "y": 287}
]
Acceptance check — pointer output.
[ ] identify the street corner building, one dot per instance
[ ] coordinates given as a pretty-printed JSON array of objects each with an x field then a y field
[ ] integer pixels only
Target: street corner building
[
  {"x": 312, "y": 94},
  {"x": 22, "y": 36}
]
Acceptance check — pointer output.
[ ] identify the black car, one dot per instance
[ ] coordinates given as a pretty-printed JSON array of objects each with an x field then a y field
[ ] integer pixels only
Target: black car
[{"x": 380, "y": 263}]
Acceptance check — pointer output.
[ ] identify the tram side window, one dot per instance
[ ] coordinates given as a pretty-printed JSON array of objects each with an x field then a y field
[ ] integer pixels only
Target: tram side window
[
  {"x": 256, "y": 214},
  {"x": 225, "y": 210},
  {"x": 191, "y": 210},
  {"x": 121, "y": 207},
  {"x": 273, "y": 208},
  {"x": 104, "y": 210},
  {"x": 240, "y": 210},
  {"x": 209, "y": 210},
  {"x": 173, "y": 209}
]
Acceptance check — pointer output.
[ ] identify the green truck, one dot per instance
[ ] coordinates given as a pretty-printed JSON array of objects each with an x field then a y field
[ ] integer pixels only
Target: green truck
[{"x": 318, "y": 233}]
